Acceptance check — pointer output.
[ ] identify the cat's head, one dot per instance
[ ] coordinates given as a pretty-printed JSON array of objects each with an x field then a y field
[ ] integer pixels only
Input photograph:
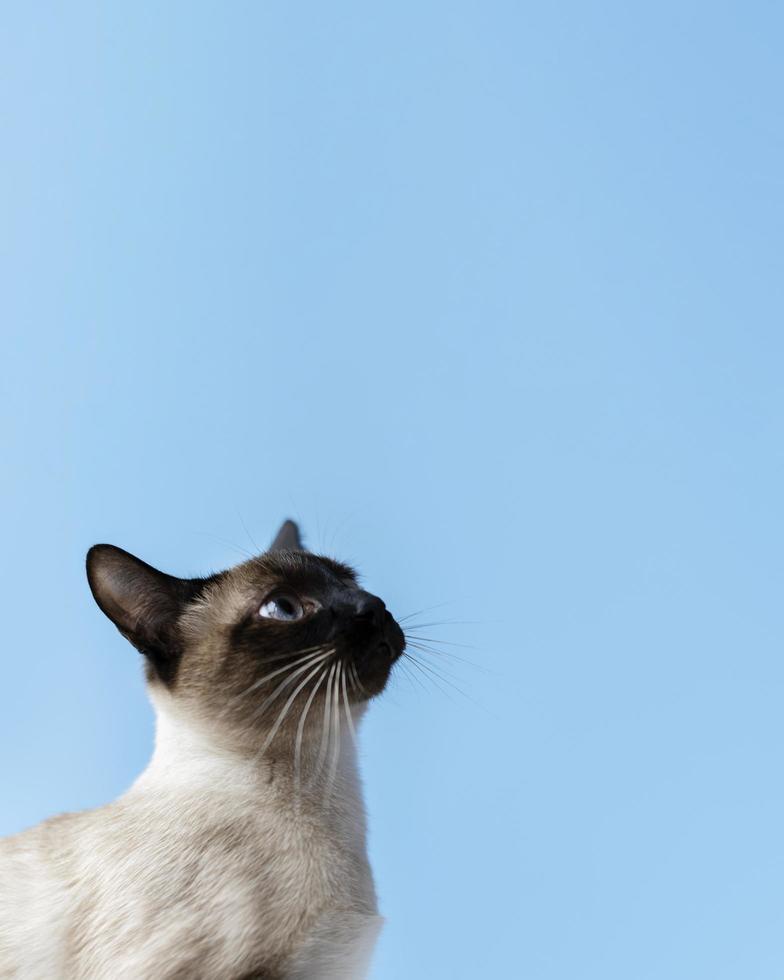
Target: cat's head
[{"x": 286, "y": 630}]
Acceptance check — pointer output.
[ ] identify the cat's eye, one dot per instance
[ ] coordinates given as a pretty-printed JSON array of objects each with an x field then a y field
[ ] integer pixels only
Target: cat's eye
[{"x": 283, "y": 606}]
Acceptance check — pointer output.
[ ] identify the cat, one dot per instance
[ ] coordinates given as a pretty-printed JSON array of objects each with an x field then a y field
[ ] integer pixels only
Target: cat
[{"x": 239, "y": 853}]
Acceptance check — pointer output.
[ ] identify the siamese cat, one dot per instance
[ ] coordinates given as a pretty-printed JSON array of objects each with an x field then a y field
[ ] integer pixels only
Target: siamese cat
[{"x": 240, "y": 851}]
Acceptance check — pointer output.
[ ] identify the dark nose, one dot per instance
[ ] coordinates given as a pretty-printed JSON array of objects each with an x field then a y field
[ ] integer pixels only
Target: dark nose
[
  {"x": 363, "y": 613},
  {"x": 370, "y": 609}
]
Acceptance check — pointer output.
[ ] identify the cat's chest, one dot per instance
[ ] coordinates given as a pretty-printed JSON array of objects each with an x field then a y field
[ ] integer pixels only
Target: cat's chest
[{"x": 233, "y": 890}]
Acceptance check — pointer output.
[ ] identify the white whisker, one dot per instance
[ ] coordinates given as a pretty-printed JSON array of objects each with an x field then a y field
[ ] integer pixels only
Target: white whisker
[
  {"x": 286, "y": 707},
  {"x": 336, "y": 732},
  {"x": 301, "y": 728},
  {"x": 327, "y": 719},
  {"x": 357, "y": 681},
  {"x": 315, "y": 658},
  {"x": 437, "y": 678},
  {"x": 349, "y": 719},
  {"x": 301, "y": 655}
]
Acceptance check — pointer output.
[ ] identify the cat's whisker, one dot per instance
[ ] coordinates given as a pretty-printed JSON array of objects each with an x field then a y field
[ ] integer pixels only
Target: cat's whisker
[
  {"x": 428, "y": 675},
  {"x": 287, "y": 706},
  {"x": 295, "y": 653},
  {"x": 442, "y": 622},
  {"x": 433, "y": 639},
  {"x": 410, "y": 675},
  {"x": 301, "y": 728},
  {"x": 299, "y": 656},
  {"x": 349, "y": 719},
  {"x": 431, "y": 671},
  {"x": 229, "y": 544},
  {"x": 440, "y": 605},
  {"x": 431, "y": 649},
  {"x": 439, "y": 671},
  {"x": 322, "y": 754},
  {"x": 267, "y": 677},
  {"x": 335, "y": 733},
  {"x": 250, "y": 536},
  {"x": 316, "y": 658},
  {"x": 435, "y": 666},
  {"x": 449, "y": 669},
  {"x": 358, "y": 683}
]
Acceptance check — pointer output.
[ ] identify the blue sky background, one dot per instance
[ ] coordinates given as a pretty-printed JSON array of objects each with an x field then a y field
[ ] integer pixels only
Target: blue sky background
[{"x": 489, "y": 296}]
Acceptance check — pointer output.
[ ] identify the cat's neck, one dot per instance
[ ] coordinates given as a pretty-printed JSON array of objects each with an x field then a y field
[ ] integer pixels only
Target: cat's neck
[
  {"x": 187, "y": 757},
  {"x": 190, "y": 762}
]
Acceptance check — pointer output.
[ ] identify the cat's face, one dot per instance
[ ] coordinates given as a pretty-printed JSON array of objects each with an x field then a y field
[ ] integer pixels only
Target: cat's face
[{"x": 287, "y": 630}]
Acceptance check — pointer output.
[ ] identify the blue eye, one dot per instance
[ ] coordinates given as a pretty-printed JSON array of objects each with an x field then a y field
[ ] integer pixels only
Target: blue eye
[{"x": 283, "y": 607}]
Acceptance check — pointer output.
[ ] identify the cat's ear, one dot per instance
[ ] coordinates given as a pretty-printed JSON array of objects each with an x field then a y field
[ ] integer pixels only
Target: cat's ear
[
  {"x": 143, "y": 603},
  {"x": 287, "y": 538}
]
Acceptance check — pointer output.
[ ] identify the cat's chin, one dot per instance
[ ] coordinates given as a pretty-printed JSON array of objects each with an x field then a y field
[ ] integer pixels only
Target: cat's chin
[{"x": 373, "y": 669}]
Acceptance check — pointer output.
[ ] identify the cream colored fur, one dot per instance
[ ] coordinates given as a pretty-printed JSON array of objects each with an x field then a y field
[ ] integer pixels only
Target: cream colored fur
[{"x": 211, "y": 867}]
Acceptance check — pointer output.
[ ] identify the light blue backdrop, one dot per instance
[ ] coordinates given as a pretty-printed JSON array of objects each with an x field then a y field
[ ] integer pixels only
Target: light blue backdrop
[{"x": 489, "y": 295}]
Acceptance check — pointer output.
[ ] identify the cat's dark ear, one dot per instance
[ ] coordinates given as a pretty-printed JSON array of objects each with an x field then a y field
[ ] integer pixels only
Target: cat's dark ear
[
  {"x": 287, "y": 538},
  {"x": 143, "y": 603}
]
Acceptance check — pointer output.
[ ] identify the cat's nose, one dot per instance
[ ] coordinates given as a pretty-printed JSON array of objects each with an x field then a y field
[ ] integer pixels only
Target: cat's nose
[
  {"x": 366, "y": 611},
  {"x": 370, "y": 609}
]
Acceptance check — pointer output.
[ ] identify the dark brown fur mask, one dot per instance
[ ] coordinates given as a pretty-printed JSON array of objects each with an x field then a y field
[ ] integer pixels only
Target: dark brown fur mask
[{"x": 286, "y": 628}]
